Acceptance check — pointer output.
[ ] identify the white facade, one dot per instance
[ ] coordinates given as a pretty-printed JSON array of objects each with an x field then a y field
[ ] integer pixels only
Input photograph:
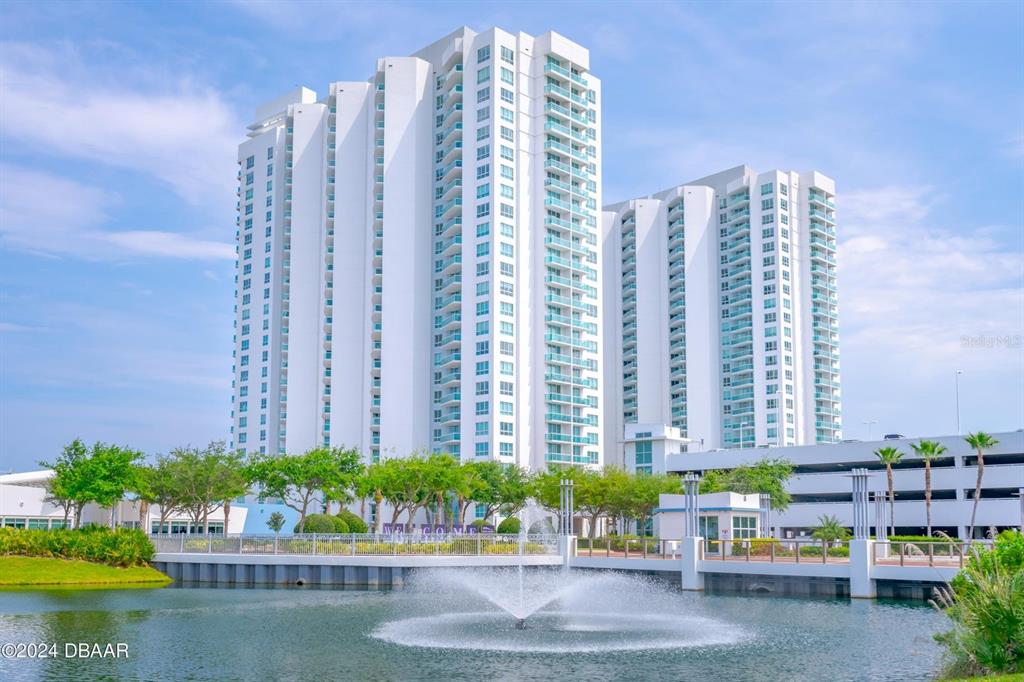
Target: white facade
[
  {"x": 721, "y": 310},
  {"x": 419, "y": 263},
  {"x": 23, "y": 505},
  {"x": 821, "y": 484}
]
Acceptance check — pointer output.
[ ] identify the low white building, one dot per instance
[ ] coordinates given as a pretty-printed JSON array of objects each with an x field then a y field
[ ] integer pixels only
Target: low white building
[
  {"x": 23, "y": 504},
  {"x": 723, "y": 516},
  {"x": 821, "y": 483}
]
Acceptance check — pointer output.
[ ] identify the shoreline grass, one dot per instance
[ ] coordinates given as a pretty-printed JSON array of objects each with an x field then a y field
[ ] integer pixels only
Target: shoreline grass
[{"x": 25, "y": 571}]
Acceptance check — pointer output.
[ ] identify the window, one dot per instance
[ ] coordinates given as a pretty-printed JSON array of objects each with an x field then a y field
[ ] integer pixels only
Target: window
[
  {"x": 483, "y": 113},
  {"x": 483, "y": 210},
  {"x": 507, "y": 115},
  {"x": 766, "y": 188},
  {"x": 507, "y": 368},
  {"x": 483, "y": 428},
  {"x": 505, "y": 449},
  {"x": 483, "y": 152},
  {"x": 507, "y": 55},
  {"x": 483, "y": 172},
  {"x": 505, "y": 408},
  {"x": 506, "y": 133},
  {"x": 506, "y": 152},
  {"x": 483, "y": 367},
  {"x": 483, "y": 229},
  {"x": 483, "y": 94},
  {"x": 505, "y": 428},
  {"x": 483, "y": 54},
  {"x": 507, "y": 172},
  {"x": 505, "y": 388},
  {"x": 483, "y": 449},
  {"x": 507, "y": 95},
  {"x": 483, "y": 191},
  {"x": 744, "y": 527},
  {"x": 506, "y": 75},
  {"x": 483, "y": 75},
  {"x": 483, "y": 132}
]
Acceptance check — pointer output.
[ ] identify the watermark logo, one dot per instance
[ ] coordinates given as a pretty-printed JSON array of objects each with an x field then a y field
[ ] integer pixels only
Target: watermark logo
[{"x": 987, "y": 341}]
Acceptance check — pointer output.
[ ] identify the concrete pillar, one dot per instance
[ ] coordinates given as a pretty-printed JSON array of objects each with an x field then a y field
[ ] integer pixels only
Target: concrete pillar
[
  {"x": 691, "y": 550},
  {"x": 862, "y": 585},
  {"x": 567, "y": 549}
]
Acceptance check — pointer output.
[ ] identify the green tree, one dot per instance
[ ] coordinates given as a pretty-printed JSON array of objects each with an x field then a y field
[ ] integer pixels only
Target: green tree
[
  {"x": 504, "y": 488},
  {"x": 468, "y": 483},
  {"x": 441, "y": 473},
  {"x": 204, "y": 479},
  {"x": 370, "y": 484},
  {"x": 276, "y": 522},
  {"x": 113, "y": 470},
  {"x": 889, "y": 456},
  {"x": 156, "y": 484},
  {"x": 102, "y": 474},
  {"x": 68, "y": 486},
  {"x": 299, "y": 479},
  {"x": 980, "y": 441},
  {"x": 594, "y": 492},
  {"x": 928, "y": 450},
  {"x": 641, "y": 494},
  {"x": 830, "y": 529},
  {"x": 768, "y": 475}
]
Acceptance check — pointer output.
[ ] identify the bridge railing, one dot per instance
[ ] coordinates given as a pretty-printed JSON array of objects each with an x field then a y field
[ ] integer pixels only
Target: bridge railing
[
  {"x": 795, "y": 550},
  {"x": 436, "y": 544},
  {"x": 915, "y": 553}
]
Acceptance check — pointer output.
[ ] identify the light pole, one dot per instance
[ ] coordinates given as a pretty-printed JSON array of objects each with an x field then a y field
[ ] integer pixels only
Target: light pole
[
  {"x": 956, "y": 390},
  {"x": 869, "y": 424}
]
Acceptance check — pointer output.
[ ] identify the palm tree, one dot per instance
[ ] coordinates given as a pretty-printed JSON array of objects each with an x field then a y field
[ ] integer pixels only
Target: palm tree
[
  {"x": 830, "y": 529},
  {"x": 889, "y": 456},
  {"x": 928, "y": 450},
  {"x": 980, "y": 441}
]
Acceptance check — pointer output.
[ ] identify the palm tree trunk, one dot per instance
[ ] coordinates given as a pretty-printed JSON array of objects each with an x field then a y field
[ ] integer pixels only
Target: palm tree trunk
[
  {"x": 928, "y": 494},
  {"x": 227, "y": 515},
  {"x": 977, "y": 492},
  {"x": 892, "y": 500}
]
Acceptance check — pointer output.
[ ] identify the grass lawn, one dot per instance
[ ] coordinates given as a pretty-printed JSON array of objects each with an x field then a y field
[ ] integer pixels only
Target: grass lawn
[{"x": 27, "y": 571}]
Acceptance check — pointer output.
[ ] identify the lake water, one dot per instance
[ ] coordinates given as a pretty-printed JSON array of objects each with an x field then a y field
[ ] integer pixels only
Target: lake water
[{"x": 608, "y": 629}]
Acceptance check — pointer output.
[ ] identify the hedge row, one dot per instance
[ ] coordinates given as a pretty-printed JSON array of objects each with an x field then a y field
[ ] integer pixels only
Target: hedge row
[{"x": 121, "y": 547}]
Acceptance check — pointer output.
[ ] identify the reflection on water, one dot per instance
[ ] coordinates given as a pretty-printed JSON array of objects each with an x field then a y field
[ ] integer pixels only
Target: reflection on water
[{"x": 623, "y": 629}]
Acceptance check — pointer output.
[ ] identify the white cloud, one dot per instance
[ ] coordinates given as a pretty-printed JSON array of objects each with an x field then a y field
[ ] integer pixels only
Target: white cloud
[
  {"x": 912, "y": 296},
  {"x": 171, "y": 244},
  {"x": 46, "y": 214},
  {"x": 162, "y": 125}
]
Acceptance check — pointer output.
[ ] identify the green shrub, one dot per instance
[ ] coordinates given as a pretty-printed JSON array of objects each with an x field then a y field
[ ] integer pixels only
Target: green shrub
[
  {"x": 121, "y": 547},
  {"x": 480, "y": 523},
  {"x": 322, "y": 523},
  {"x": 985, "y": 602},
  {"x": 758, "y": 547},
  {"x": 815, "y": 551},
  {"x": 509, "y": 525},
  {"x": 354, "y": 523},
  {"x": 921, "y": 538}
]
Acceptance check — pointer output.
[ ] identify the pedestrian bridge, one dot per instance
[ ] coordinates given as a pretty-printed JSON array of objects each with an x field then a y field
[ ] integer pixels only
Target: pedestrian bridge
[{"x": 804, "y": 567}]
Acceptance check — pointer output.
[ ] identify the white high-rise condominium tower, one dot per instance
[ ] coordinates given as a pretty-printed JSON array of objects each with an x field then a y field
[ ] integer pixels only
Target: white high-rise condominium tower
[
  {"x": 418, "y": 258},
  {"x": 721, "y": 317}
]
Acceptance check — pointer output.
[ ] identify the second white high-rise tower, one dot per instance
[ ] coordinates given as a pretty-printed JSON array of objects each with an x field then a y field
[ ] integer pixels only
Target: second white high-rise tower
[{"x": 419, "y": 262}]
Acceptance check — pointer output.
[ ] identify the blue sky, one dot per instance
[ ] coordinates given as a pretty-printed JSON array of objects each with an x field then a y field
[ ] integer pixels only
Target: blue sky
[{"x": 118, "y": 127}]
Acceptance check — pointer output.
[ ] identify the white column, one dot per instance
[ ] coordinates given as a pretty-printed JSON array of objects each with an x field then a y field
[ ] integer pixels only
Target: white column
[
  {"x": 691, "y": 550},
  {"x": 862, "y": 585}
]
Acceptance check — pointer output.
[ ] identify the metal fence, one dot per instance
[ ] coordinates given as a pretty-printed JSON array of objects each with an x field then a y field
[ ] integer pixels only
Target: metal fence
[
  {"x": 913, "y": 553},
  {"x": 629, "y": 548},
  {"x": 803, "y": 550},
  {"x": 359, "y": 544},
  {"x": 773, "y": 550}
]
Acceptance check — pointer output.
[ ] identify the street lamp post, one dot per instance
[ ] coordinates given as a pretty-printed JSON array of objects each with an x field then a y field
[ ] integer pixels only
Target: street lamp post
[
  {"x": 869, "y": 424},
  {"x": 956, "y": 390}
]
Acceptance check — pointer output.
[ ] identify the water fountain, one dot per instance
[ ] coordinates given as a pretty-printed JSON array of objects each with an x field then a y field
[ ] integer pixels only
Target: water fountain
[{"x": 533, "y": 609}]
